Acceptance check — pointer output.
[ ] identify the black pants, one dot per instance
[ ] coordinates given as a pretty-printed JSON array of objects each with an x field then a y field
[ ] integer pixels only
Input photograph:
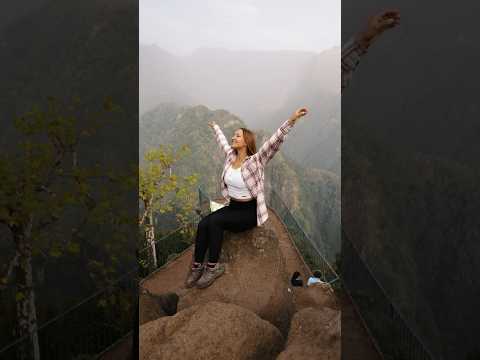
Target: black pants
[{"x": 236, "y": 217}]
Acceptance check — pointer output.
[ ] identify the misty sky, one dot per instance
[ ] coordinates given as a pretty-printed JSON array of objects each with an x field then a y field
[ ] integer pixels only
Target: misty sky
[{"x": 180, "y": 26}]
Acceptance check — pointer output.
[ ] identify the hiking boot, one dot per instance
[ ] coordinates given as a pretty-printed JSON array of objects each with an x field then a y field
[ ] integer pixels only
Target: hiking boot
[
  {"x": 209, "y": 275},
  {"x": 193, "y": 275}
]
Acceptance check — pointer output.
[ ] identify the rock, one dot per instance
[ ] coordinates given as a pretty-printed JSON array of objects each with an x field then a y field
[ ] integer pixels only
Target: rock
[
  {"x": 314, "y": 334},
  {"x": 255, "y": 277},
  {"x": 210, "y": 331},
  {"x": 154, "y": 306},
  {"x": 317, "y": 296}
]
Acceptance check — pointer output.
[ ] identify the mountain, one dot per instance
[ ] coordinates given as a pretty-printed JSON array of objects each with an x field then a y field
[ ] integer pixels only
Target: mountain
[
  {"x": 312, "y": 195},
  {"x": 262, "y": 87}
]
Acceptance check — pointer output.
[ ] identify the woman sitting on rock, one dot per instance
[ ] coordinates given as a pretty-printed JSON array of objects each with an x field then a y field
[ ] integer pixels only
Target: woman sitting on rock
[{"x": 242, "y": 184}]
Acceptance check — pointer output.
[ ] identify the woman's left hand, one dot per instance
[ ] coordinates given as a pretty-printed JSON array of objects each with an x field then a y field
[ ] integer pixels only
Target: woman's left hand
[{"x": 298, "y": 114}]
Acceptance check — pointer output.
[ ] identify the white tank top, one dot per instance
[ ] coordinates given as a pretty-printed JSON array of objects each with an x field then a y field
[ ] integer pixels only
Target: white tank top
[{"x": 235, "y": 185}]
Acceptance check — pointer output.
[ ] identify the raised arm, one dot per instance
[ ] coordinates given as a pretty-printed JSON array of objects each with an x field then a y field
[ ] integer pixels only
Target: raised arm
[
  {"x": 351, "y": 53},
  {"x": 221, "y": 139},
  {"x": 357, "y": 46},
  {"x": 272, "y": 145}
]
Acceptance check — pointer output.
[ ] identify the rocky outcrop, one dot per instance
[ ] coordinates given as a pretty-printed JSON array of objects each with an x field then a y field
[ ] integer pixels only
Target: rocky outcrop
[
  {"x": 255, "y": 277},
  {"x": 314, "y": 334},
  {"x": 213, "y": 330},
  {"x": 248, "y": 313}
]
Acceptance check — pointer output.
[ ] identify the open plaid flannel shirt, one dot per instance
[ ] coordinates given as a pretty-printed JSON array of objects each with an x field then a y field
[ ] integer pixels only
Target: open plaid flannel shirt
[{"x": 252, "y": 169}]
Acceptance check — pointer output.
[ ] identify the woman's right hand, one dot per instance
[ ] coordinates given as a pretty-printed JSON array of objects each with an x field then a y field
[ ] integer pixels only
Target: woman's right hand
[
  {"x": 298, "y": 114},
  {"x": 212, "y": 124},
  {"x": 377, "y": 24}
]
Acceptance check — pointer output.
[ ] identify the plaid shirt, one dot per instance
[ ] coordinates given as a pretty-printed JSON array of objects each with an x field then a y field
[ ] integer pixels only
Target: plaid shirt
[
  {"x": 252, "y": 169},
  {"x": 351, "y": 53}
]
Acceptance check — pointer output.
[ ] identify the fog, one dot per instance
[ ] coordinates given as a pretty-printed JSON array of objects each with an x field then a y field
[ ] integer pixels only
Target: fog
[
  {"x": 259, "y": 60},
  {"x": 183, "y": 26}
]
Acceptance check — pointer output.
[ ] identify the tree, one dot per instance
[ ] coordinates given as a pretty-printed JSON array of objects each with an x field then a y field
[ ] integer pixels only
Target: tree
[
  {"x": 162, "y": 191},
  {"x": 41, "y": 180}
]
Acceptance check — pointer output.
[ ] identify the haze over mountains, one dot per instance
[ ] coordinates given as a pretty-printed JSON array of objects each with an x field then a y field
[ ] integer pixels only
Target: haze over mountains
[
  {"x": 312, "y": 195},
  {"x": 261, "y": 87}
]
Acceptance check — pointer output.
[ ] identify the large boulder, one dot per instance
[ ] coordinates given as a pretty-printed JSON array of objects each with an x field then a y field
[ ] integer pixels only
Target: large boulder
[
  {"x": 154, "y": 306},
  {"x": 255, "y": 277},
  {"x": 209, "y": 331},
  {"x": 314, "y": 334}
]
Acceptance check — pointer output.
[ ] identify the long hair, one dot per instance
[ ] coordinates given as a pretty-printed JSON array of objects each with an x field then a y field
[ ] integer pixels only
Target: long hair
[{"x": 249, "y": 137}]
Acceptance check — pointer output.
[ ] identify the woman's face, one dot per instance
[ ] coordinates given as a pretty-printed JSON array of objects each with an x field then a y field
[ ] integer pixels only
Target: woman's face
[{"x": 237, "y": 139}]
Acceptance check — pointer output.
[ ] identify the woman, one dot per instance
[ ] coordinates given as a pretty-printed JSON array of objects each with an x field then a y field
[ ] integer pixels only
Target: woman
[{"x": 242, "y": 184}]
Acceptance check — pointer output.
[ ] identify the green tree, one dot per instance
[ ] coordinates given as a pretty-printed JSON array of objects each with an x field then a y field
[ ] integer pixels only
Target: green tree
[
  {"x": 162, "y": 191},
  {"x": 41, "y": 180}
]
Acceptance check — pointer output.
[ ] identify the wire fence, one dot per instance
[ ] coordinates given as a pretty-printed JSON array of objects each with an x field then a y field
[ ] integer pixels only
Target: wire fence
[
  {"x": 169, "y": 246},
  {"x": 309, "y": 250},
  {"x": 393, "y": 337},
  {"x": 87, "y": 328}
]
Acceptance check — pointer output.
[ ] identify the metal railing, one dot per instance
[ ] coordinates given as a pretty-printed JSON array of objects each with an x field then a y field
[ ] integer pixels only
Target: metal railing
[
  {"x": 167, "y": 248},
  {"x": 309, "y": 250},
  {"x": 393, "y": 337}
]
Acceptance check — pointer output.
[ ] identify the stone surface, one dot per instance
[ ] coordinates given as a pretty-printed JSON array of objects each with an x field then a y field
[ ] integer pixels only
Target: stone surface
[
  {"x": 210, "y": 331},
  {"x": 154, "y": 306},
  {"x": 314, "y": 334},
  {"x": 255, "y": 277},
  {"x": 317, "y": 296}
]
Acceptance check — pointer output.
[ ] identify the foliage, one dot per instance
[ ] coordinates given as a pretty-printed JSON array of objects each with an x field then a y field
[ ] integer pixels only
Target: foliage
[
  {"x": 61, "y": 208},
  {"x": 162, "y": 191}
]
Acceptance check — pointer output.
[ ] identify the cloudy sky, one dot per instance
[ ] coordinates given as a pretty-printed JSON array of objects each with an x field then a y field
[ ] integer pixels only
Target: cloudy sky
[{"x": 180, "y": 26}]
